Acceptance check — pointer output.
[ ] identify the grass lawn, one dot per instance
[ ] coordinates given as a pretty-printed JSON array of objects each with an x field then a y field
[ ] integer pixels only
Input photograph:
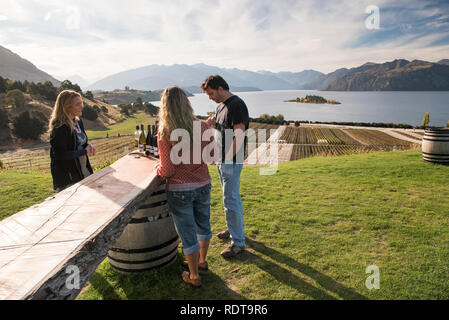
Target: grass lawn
[
  {"x": 124, "y": 128},
  {"x": 22, "y": 189},
  {"x": 312, "y": 230}
]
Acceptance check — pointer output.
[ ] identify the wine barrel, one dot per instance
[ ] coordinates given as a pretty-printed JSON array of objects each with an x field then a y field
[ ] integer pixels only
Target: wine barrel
[
  {"x": 149, "y": 240},
  {"x": 435, "y": 145}
]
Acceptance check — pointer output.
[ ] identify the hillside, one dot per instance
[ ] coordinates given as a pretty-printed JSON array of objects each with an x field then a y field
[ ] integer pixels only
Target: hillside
[
  {"x": 37, "y": 103},
  {"x": 397, "y": 75},
  {"x": 13, "y": 67}
]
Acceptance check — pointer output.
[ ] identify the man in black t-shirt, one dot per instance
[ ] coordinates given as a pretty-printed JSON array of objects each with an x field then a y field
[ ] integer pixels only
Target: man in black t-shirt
[{"x": 231, "y": 119}]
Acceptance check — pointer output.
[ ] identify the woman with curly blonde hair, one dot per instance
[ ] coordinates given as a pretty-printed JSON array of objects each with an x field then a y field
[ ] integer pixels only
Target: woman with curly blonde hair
[
  {"x": 69, "y": 144},
  {"x": 188, "y": 183}
]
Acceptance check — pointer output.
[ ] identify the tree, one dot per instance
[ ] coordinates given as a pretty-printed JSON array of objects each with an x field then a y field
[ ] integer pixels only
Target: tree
[
  {"x": 46, "y": 90},
  {"x": 426, "y": 120},
  {"x": 150, "y": 108},
  {"x": 16, "y": 98},
  {"x": 17, "y": 85},
  {"x": 89, "y": 113},
  {"x": 104, "y": 109},
  {"x": 28, "y": 127},
  {"x": 126, "y": 108},
  {"x": 68, "y": 85},
  {"x": 138, "y": 105},
  {"x": 89, "y": 95}
]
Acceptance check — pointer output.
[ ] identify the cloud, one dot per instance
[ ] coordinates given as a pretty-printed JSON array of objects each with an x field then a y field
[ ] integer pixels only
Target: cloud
[{"x": 99, "y": 38}]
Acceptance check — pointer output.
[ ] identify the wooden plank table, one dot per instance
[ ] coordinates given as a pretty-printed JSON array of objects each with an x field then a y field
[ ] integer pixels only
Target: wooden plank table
[{"x": 40, "y": 245}]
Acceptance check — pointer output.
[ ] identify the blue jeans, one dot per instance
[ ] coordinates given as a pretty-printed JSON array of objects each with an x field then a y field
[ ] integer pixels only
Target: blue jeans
[
  {"x": 191, "y": 215},
  {"x": 230, "y": 180}
]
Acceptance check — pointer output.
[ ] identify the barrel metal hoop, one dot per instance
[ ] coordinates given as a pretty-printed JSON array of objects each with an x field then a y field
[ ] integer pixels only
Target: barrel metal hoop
[
  {"x": 143, "y": 250},
  {"x": 436, "y": 154},
  {"x": 144, "y": 261},
  {"x": 146, "y": 269}
]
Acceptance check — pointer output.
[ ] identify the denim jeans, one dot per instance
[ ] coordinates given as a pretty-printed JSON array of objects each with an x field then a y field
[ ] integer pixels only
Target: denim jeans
[
  {"x": 230, "y": 180},
  {"x": 191, "y": 215}
]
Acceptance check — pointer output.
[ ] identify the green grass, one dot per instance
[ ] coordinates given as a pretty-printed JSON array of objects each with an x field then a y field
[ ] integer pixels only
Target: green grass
[
  {"x": 124, "y": 128},
  {"x": 313, "y": 228},
  {"x": 22, "y": 189}
]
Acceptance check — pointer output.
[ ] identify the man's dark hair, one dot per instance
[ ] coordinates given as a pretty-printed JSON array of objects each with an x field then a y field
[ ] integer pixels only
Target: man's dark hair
[{"x": 214, "y": 82}]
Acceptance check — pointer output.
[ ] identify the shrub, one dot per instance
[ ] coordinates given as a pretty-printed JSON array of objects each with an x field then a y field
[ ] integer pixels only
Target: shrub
[
  {"x": 16, "y": 98},
  {"x": 28, "y": 127},
  {"x": 96, "y": 108},
  {"x": 89, "y": 113},
  {"x": 425, "y": 121},
  {"x": 1, "y": 165},
  {"x": 104, "y": 109}
]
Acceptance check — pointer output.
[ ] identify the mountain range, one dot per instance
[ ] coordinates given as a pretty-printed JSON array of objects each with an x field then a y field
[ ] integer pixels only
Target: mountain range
[
  {"x": 13, "y": 67},
  {"x": 397, "y": 75},
  {"x": 400, "y": 74},
  {"x": 191, "y": 76}
]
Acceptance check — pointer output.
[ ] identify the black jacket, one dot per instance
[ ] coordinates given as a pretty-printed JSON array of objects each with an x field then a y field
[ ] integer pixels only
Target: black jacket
[{"x": 65, "y": 165}]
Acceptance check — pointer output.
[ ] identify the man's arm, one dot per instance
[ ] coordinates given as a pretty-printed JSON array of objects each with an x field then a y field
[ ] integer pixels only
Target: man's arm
[{"x": 237, "y": 142}]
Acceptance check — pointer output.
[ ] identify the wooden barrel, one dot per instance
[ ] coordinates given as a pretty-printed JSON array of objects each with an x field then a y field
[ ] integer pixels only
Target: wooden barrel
[
  {"x": 435, "y": 145},
  {"x": 149, "y": 240}
]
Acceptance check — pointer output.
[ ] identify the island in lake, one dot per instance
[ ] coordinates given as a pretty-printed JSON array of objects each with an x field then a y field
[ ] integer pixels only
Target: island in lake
[{"x": 313, "y": 99}]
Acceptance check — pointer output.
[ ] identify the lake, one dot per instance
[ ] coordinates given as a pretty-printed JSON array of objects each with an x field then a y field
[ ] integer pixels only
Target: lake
[{"x": 406, "y": 107}]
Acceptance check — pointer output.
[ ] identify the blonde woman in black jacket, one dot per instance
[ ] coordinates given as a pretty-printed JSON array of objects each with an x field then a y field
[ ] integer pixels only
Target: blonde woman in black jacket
[{"x": 70, "y": 149}]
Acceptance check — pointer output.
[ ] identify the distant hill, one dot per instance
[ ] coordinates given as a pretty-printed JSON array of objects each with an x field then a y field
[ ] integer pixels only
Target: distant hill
[
  {"x": 297, "y": 79},
  {"x": 126, "y": 96},
  {"x": 397, "y": 75},
  {"x": 444, "y": 61},
  {"x": 155, "y": 77},
  {"x": 13, "y": 67},
  {"x": 325, "y": 79}
]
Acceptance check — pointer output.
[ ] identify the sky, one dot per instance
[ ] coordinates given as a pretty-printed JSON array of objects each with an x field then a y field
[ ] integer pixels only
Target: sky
[{"x": 94, "y": 39}]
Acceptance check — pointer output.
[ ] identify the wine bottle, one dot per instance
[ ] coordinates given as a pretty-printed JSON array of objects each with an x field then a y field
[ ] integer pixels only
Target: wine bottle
[
  {"x": 149, "y": 143},
  {"x": 142, "y": 139},
  {"x": 136, "y": 136},
  {"x": 155, "y": 148}
]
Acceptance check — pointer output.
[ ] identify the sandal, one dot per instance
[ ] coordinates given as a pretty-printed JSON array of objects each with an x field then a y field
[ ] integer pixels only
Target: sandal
[{"x": 193, "y": 282}]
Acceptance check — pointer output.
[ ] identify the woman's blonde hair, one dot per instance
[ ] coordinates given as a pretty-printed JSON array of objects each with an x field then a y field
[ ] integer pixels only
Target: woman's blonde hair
[
  {"x": 175, "y": 113},
  {"x": 60, "y": 116}
]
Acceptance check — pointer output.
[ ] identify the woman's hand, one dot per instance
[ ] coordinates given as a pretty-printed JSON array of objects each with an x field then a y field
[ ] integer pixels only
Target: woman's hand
[
  {"x": 90, "y": 149},
  {"x": 211, "y": 121}
]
